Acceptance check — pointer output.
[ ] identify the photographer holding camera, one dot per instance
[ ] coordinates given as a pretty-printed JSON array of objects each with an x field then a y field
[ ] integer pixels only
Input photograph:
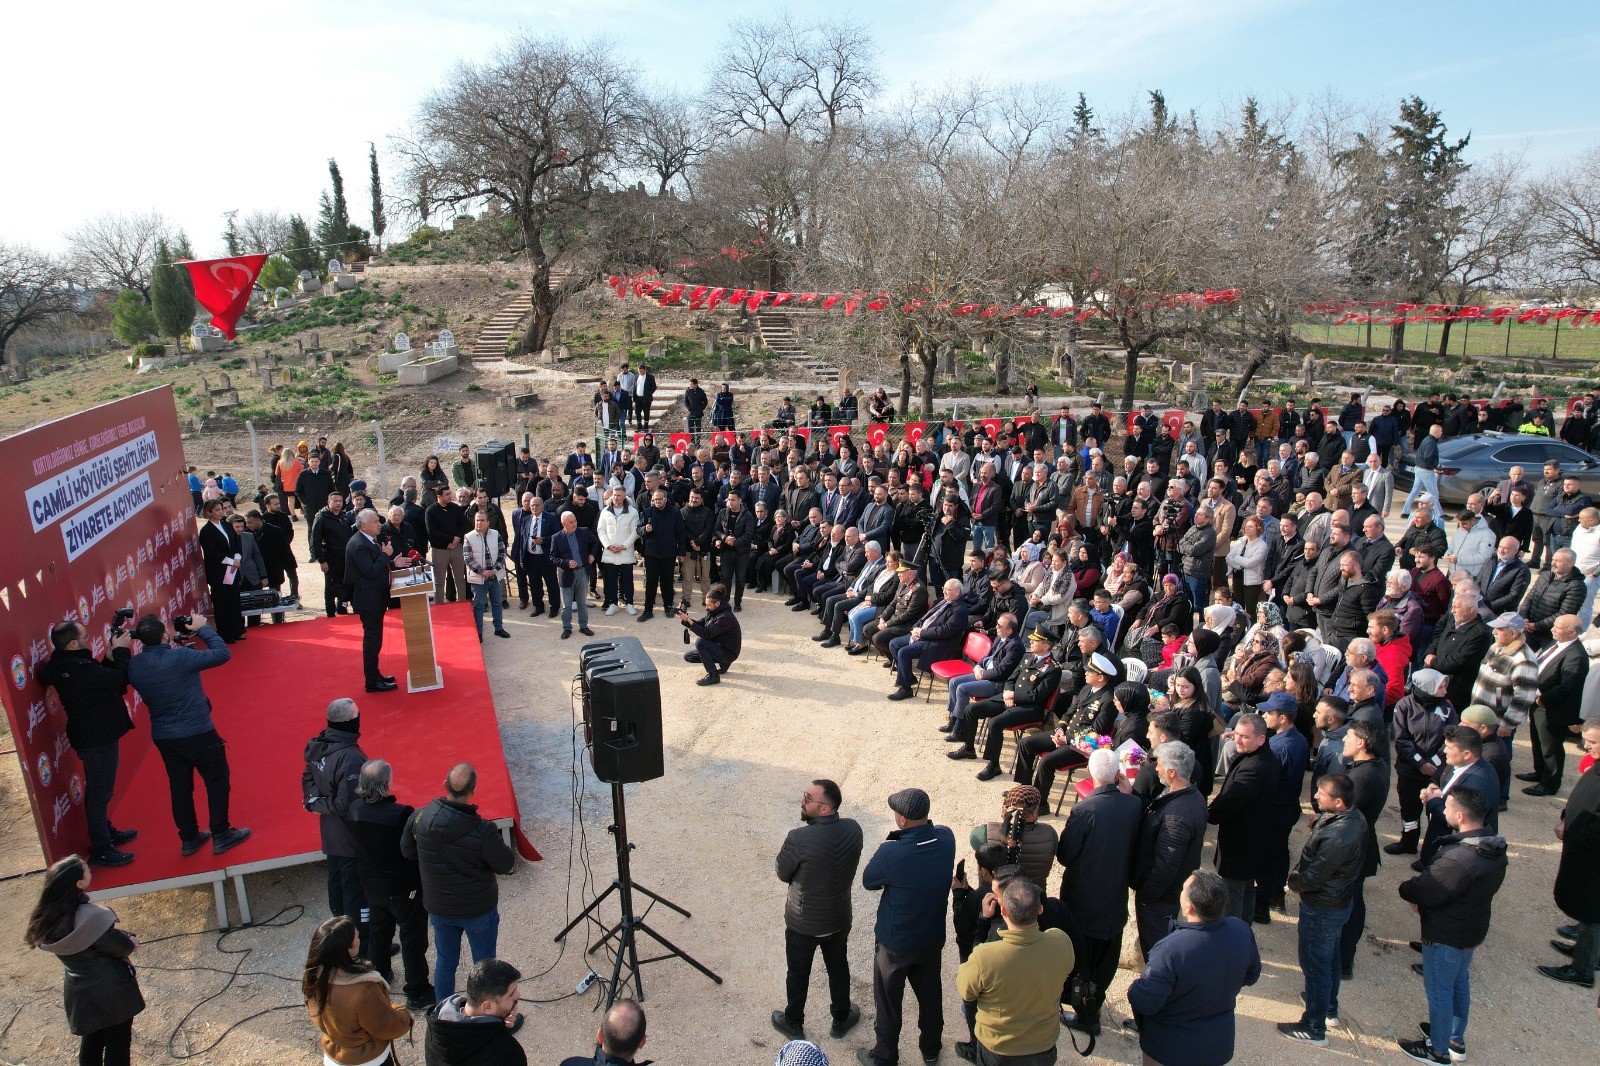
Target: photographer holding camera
[
  {"x": 167, "y": 677},
  {"x": 717, "y": 635},
  {"x": 92, "y": 690}
]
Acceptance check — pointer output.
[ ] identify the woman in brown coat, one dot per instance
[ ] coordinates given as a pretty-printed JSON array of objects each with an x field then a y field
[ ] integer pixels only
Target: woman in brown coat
[{"x": 348, "y": 1000}]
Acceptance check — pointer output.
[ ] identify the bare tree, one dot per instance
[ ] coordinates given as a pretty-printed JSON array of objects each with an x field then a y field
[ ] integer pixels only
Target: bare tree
[
  {"x": 1492, "y": 237},
  {"x": 667, "y": 137},
  {"x": 264, "y": 231},
  {"x": 117, "y": 251},
  {"x": 34, "y": 290},
  {"x": 1566, "y": 205},
  {"x": 539, "y": 128},
  {"x": 798, "y": 80}
]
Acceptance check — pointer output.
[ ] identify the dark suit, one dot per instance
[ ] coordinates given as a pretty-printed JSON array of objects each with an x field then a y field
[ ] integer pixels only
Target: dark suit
[
  {"x": 1480, "y": 777},
  {"x": 536, "y": 574},
  {"x": 1241, "y": 811},
  {"x": 1096, "y": 850},
  {"x": 218, "y": 546},
  {"x": 1561, "y": 680},
  {"x": 1502, "y": 592},
  {"x": 367, "y": 570}
]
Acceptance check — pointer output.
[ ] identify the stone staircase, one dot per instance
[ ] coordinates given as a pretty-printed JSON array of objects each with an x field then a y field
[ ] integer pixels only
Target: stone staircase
[
  {"x": 778, "y": 337},
  {"x": 490, "y": 344}
]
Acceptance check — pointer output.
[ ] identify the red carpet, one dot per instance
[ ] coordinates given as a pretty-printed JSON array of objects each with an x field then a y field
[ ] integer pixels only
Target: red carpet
[{"x": 273, "y": 697}]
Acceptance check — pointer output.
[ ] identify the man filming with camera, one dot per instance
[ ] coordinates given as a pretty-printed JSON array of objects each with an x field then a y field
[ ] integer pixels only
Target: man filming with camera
[
  {"x": 166, "y": 675},
  {"x": 717, "y": 636},
  {"x": 91, "y": 691}
]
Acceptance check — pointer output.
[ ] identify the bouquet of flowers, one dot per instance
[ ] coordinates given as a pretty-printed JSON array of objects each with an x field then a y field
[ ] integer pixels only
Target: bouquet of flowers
[
  {"x": 1089, "y": 742},
  {"x": 1130, "y": 756}
]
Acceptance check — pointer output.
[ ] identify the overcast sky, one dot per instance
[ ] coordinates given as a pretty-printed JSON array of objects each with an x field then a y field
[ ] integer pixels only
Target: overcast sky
[{"x": 191, "y": 109}]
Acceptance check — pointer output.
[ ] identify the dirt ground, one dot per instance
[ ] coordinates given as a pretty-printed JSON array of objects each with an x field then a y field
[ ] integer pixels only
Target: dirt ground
[{"x": 738, "y": 758}]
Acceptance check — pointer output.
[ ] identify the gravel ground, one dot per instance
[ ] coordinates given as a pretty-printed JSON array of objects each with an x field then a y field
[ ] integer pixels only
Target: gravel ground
[{"x": 738, "y": 757}]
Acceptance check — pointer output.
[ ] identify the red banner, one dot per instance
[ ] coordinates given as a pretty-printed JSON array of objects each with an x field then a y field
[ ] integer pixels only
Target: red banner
[
  {"x": 834, "y": 433},
  {"x": 991, "y": 426},
  {"x": 877, "y": 433},
  {"x": 804, "y": 433},
  {"x": 724, "y": 436},
  {"x": 914, "y": 431},
  {"x": 1022, "y": 420},
  {"x": 638, "y": 440},
  {"x": 223, "y": 286},
  {"x": 682, "y": 443},
  {"x": 100, "y": 518}
]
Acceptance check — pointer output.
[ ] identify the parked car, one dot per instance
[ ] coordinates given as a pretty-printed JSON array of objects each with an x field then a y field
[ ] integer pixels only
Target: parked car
[{"x": 1479, "y": 461}]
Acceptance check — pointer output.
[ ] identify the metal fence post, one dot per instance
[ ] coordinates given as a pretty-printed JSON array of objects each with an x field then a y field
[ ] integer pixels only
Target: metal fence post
[
  {"x": 383, "y": 463},
  {"x": 255, "y": 453},
  {"x": 522, "y": 424}
]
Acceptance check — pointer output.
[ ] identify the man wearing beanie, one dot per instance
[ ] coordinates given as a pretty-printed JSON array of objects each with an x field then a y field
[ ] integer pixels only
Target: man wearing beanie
[
  {"x": 913, "y": 870},
  {"x": 328, "y": 787}
]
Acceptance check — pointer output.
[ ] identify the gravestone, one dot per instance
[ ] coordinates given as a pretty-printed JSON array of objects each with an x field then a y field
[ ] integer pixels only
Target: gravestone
[
  {"x": 847, "y": 381},
  {"x": 299, "y": 346},
  {"x": 555, "y": 334},
  {"x": 566, "y": 353},
  {"x": 960, "y": 368},
  {"x": 1308, "y": 370},
  {"x": 335, "y": 267},
  {"x": 447, "y": 339},
  {"x": 203, "y": 338},
  {"x": 724, "y": 360},
  {"x": 653, "y": 352},
  {"x": 266, "y": 379},
  {"x": 205, "y": 386},
  {"x": 206, "y": 409},
  {"x": 309, "y": 282},
  {"x": 402, "y": 343},
  {"x": 945, "y": 360},
  {"x": 711, "y": 346},
  {"x": 223, "y": 382},
  {"x": 316, "y": 341}
]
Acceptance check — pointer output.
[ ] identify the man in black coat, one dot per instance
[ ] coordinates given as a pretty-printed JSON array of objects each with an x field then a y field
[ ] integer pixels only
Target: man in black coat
[
  {"x": 818, "y": 862},
  {"x": 366, "y": 566},
  {"x": 1453, "y": 896},
  {"x": 717, "y": 637},
  {"x": 1563, "y": 670},
  {"x": 1242, "y": 812},
  {"x": 663, "y": 538},
  {"x": 314, "y": 484},
  {"x": 1504, "y": 578},
  {"x": 1559, "y": 590},
  {"x": 695, "y": 403},
  {"x": 479, "y": 1028},
  {"x": 276, "y": 555},
  {"x": 1465, "y": 768},
  {"x": 910, "y": 603},
  {"x": 1096, "y": 853},
  {"x": 331, "y": 531},
  {"x": 1577, "y": 888},
  {"x": 459, "y": 855},
  {"x": 1171, "y": 838},
  {"x": 333, "y": 761},
  {"x": 223, "y": 554},
  {"x": 1458, "y": 651},
  {"x": 91, "y": 692},
  {"x": 390, "y": 882}
]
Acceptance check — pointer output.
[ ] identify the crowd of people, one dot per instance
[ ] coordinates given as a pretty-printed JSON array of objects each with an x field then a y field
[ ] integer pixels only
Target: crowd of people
[{"x": 1223, "y": 599}]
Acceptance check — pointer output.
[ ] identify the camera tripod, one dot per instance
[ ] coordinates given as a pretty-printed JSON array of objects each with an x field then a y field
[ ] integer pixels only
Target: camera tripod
[{"x": 627, "y": 929}]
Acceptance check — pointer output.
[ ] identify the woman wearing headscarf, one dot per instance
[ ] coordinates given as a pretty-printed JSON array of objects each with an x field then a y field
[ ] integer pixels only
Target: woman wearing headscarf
[
  {"x": 1206, "y": 644},
  {"x": 1085, "y": 566},
  {"x": 1256, "y": 658},
  {"x": 1173, "y": 606},
  {"x": 1133, "y": 715}
]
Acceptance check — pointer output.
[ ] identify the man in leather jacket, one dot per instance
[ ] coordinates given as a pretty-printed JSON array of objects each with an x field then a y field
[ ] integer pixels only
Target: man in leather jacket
[{"x": 1325, "y": 878}]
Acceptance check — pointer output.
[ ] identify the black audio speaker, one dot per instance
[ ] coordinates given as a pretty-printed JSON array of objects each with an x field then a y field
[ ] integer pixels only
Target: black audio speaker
[
  {"x": 497, "y": 467},
  {"x": 621, "y": 711}
]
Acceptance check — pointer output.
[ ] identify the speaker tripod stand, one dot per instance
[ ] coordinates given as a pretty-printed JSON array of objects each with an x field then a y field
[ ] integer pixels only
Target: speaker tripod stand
[{"x": 626, "y": 931}]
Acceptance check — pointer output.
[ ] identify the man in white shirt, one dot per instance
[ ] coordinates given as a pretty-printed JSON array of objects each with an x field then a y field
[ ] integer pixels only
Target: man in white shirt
[
  {"x": 1586, "y": 546},
  {"x": 1471, "y": 545}
]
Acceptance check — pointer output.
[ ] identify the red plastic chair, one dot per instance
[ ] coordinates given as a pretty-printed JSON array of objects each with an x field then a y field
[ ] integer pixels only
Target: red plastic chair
[{"x": 973, "y": 650}]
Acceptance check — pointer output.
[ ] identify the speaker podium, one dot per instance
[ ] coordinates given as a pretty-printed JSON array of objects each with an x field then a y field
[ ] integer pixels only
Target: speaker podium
[{"x": 414, "y": 588}]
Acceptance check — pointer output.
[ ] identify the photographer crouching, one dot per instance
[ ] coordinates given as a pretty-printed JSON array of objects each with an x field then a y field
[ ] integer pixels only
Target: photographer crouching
[
  {"x": 717, "y": 636},
  {"x": 91, "y": 692},
  {"x": 166, "y": 675}
]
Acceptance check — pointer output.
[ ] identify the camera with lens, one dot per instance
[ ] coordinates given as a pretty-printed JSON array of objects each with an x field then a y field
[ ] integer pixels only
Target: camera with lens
[
  {"x": 683, "y": 608},
  {"x": 182, "y": 624},
  {"x": 120, "y": 620}
]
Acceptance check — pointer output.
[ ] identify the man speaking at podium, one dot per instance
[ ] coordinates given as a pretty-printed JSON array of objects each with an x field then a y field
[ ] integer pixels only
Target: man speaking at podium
[{"x": 366, "y": 567}]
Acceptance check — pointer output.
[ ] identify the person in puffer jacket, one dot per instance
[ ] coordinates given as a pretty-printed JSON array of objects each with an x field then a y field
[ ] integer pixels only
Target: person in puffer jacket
[
  {"x": 1420, "y": 722},
  {"x": 818, "y": 862},
  {"x": 333, "y": 761},
  {"x": 458, "y": 855}
]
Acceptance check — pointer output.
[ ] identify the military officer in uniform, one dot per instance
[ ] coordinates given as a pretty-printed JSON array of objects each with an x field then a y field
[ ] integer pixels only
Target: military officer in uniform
[{"x": 1020, "y": 702}]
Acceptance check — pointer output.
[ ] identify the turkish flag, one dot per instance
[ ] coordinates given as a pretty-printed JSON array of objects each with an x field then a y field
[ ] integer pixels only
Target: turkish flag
[
  {"x": 877, "y": 433},
  {"x": 991, "y": 426},
  {"x": 834, "y": 433},
  {"x": 1173, "y": 420},
  {"x": 222, "y": 286},
  {"x": 1022, "y": 420},
  {"x": 914, "y": 431},
  {"x": 804, "y": 433},
  {"x": 680, "y": 442},
  {"x": 724, "y": 436},
  {"x": 638, "y": 441}
]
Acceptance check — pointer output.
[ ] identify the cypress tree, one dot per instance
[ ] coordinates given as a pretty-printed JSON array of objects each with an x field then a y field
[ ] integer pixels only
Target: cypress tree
[
  {"x": 379, "y": 221},
  {"x": 171, "y": 295}
]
